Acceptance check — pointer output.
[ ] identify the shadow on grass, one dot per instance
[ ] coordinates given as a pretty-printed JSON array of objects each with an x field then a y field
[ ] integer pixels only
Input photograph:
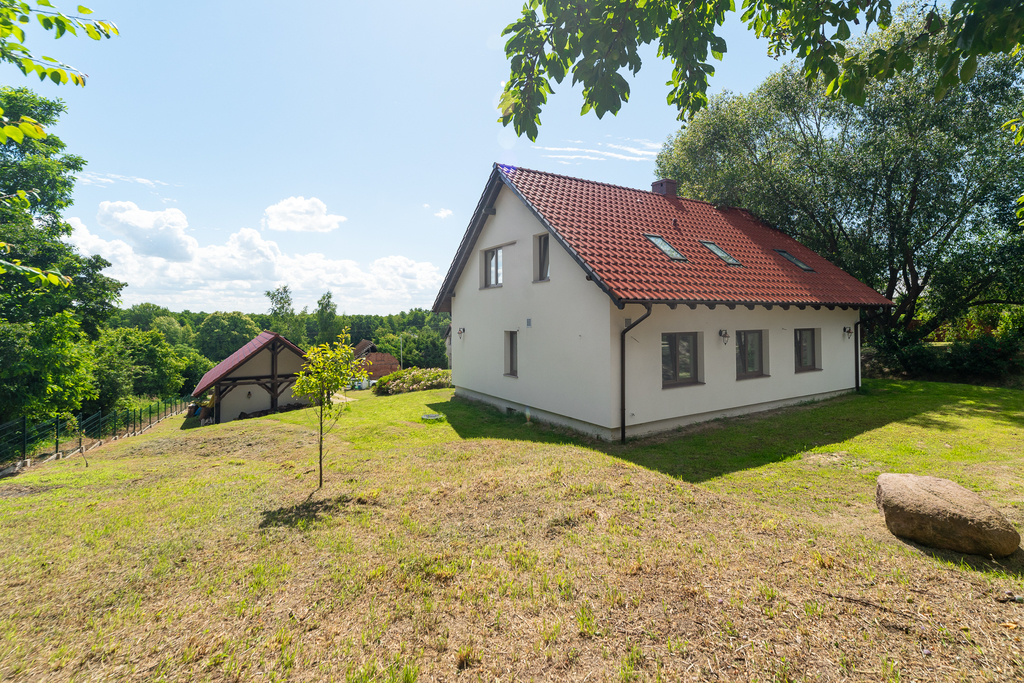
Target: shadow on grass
[
  {"x": 308, "y": 511},
  {"x": 190, "y": 423},
  {"x": 1012, "y": 565},
  {"x": 705, "y": 451}
]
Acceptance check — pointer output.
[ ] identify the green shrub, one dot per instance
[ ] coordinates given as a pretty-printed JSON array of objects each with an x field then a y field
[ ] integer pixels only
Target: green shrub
[
  {"x": 413, "y": 379},
  {"x": 986, "y": 356}
]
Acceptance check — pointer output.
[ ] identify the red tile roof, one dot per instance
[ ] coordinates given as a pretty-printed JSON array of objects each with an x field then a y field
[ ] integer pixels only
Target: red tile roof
[
  {"x": 604, "y": 227},
  {"x": 239, "y": 357}
]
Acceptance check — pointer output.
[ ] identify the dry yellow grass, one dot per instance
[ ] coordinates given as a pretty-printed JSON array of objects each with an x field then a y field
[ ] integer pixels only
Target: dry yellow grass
[{"x": 510, "y": 552}]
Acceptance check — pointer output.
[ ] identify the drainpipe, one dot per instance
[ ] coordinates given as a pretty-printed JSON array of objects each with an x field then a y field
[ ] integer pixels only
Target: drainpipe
[
  {"x": 622, "y": 369},
  {"x": 856, "y": 355}
]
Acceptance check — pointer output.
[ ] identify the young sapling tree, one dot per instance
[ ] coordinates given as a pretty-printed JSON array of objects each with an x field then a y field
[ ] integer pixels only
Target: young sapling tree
[{"x": 328, "y": 369}]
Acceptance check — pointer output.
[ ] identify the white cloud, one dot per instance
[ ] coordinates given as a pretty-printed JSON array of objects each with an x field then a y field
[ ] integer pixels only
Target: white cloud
[
  {"x": 574, "y": 156},
  {"x": 298, "y": 214},
  {"x": 150, "y": 233},
  {"x": 104, "y": 179},
  {"x": 634, "y": 150},
  {"x": 233, "y": 275},
  {"x": 426, "y": 206},
  {"x": 443, "y": 213},
  {"x": 610, "y": 155}
]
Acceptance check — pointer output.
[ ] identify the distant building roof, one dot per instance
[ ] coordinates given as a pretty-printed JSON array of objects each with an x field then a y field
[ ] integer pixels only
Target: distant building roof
[
  {"x": 363, "y": 347},
  {"x": 239, "y": 357}
]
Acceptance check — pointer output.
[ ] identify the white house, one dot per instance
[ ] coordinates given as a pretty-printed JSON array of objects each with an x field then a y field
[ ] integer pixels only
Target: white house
[
  {"x": 259, "y": 376},
  {"x": 621, "y": 312}
]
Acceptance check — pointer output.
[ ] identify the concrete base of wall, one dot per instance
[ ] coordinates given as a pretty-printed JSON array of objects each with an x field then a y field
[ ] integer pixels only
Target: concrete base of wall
[{"x": 645, "y": 428}]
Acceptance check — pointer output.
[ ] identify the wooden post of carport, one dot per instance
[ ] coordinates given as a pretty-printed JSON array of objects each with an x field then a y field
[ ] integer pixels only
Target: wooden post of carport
[{"x": 275, "y": 348}]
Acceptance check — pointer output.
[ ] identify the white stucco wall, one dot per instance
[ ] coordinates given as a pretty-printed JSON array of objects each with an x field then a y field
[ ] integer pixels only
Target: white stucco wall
[
  {"x": 563, "y": 366},
  {"x": 650, "y": 408},
  {"x": 239, "y": 401}
]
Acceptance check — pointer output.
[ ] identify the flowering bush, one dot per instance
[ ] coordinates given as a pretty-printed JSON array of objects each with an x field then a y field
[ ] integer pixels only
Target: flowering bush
[{"x": 413, "y": 379}]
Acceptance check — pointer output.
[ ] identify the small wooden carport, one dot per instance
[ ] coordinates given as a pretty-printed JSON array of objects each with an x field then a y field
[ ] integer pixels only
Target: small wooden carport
[{"x": 269, "y": 362}]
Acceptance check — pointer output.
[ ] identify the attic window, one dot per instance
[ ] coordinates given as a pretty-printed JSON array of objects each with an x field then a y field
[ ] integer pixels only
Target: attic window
[
  {"x": 669, "y": 250},
  {"x": 797, "y": 262},
  {"x": 721, "y": 253}
]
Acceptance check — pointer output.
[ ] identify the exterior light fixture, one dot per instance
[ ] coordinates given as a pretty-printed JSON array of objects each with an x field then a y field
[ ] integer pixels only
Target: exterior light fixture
[
  {"x": 848, "y": 331},
  {"x": 724, "y": 334},
  {"x": 462, "y": 331}
]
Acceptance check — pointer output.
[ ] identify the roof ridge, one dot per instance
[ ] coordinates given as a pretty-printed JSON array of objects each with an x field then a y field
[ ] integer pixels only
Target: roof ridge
[{"x": 619, "y": 187}]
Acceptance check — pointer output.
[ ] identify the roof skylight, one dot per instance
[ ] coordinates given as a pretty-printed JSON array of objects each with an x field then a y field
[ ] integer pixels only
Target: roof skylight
[
  {"x": 797, "y": 262},
  {"x": 721, "y": 253},
  {"x": 669, "y": 250}
]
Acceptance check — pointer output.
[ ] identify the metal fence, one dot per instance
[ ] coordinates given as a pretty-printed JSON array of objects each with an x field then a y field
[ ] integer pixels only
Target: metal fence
[{"x": 25, "y": 440}]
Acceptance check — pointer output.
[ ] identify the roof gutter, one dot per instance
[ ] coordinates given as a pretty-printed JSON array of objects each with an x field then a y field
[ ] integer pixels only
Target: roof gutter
[{"x": 622, "y": 369}]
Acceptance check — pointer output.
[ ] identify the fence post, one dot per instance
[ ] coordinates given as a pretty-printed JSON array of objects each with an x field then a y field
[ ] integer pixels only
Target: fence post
[
  {"x": 150, "y": 414},
  {"x": 24, "y": 437},
  {"x": 126, "y": 423},
  {"x": 81, "y": 429},
  {"x": 56, "y": 436}
]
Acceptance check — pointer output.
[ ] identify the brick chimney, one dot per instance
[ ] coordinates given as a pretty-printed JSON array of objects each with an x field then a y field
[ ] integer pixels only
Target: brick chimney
[{"x": 665, "y": 186}]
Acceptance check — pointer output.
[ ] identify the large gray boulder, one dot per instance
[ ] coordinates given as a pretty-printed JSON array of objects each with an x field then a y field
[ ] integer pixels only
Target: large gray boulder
[{"x": 940, "y": 514}]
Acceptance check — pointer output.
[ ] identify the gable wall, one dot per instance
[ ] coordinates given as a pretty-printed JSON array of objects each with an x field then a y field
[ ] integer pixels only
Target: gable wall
[
  {"x": 563, "y": 357},
  {"x": 288, "y": 362}
]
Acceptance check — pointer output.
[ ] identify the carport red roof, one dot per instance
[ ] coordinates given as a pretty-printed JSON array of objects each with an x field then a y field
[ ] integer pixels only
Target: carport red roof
[
  {"x": 605, "y": 226},
  {"x": 239, "y": 357}
]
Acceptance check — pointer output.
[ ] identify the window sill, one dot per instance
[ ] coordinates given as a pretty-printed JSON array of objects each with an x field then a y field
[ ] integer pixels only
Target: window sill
[
  {"x": 491, "y": 287},
  {"x": 800, "y": 370},
  {"x": 547, "y": 279},
  {"x": 676, "y": 385},
  {"x": 740, "y": 378},
  {"x": 512, "y": 376}
]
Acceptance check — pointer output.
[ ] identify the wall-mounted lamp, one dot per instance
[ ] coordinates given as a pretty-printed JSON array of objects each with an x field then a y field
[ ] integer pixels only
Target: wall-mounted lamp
[
  {"x": 249, "y": 395},
  {"x": 848, "y": 331},
  {"x": 724, "y": 334},
  {"x": 462, "y": 331}
]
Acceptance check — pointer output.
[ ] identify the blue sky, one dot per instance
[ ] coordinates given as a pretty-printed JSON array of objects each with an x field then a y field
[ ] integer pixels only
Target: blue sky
[{"x": 234, "y": 147}]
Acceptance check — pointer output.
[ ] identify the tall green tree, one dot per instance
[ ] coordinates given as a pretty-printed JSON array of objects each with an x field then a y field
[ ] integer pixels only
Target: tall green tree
[
  {"x": 328, "y": 369},
  {"x": 47, "y": 368},
  {"x": 221, "y": 334},
  {"x": 595, "y": 40},
  {"x": 37, "y": 235},
  {"x": 327, "y": 324},
  {"x": 912, "y": 196},
  {"x": 421, "y": 348},
  {"x": 283, "y": 319},
  {"x": 132, "y": 362}
]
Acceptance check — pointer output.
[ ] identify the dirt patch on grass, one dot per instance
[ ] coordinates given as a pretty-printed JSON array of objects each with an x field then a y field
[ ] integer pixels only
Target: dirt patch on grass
[{"x": 19, "y": 490}]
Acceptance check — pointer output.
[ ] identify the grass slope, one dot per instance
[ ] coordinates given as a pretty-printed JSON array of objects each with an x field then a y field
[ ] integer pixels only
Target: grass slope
[{"x": 485, "y": 548}]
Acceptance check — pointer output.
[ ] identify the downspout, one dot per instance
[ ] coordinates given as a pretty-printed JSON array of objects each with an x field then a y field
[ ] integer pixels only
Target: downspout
[
  {"x": 622, "y": 369},
  {"x": 856, "y": 355}
]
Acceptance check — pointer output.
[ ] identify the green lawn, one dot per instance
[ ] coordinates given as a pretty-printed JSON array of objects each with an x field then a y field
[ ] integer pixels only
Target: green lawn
[{"x": 486, "y": 548}]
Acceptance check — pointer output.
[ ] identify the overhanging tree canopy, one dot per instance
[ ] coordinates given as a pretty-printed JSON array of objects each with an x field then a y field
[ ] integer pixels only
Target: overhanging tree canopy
[{"x": 596, "y": 39}]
